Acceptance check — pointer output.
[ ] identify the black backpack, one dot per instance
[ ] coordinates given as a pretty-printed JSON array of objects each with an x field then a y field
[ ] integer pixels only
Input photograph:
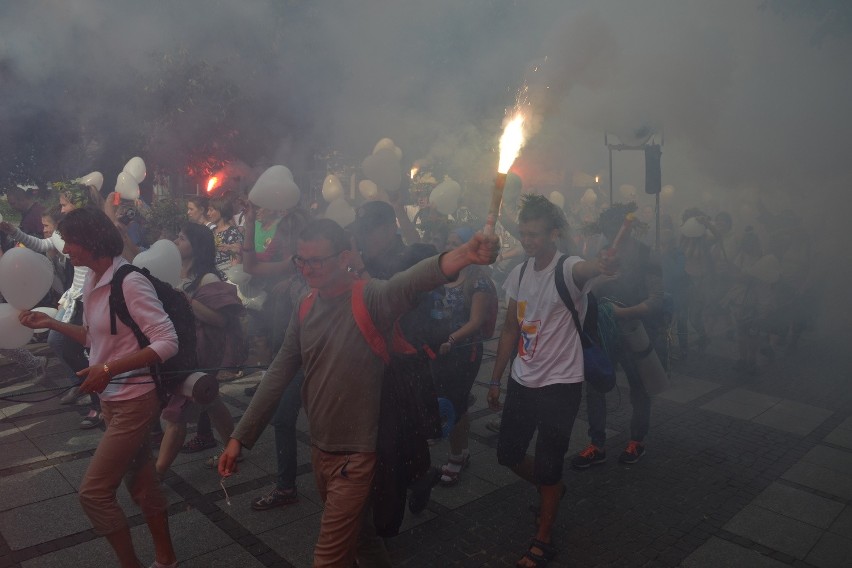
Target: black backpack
[{"x": 172, "y": 372}]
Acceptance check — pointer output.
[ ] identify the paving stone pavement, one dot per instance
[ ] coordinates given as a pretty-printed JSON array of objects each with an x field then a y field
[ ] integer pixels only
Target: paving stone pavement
[{"x": 741, "y": 473}]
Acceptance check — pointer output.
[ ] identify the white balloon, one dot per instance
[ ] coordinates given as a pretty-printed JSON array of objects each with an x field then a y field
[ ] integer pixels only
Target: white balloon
[
  {"x": 56, "y": 240},
  {"x": 136, "y": 168},
  {"x": 236, "y": 275},
  {"x": 667, "y": 191},
  {"x": 25, "y": 277},
  {"x": 368, "y": 189},
  {"x": 49, "y": 311},
  {"x": 95, "y": 179},
  {"x": 275, "y": 190},
  {"x": 557, "y": 199},
  {"x": 589, "y": 197},
  {"x": 384, "y": 168},
  {"x": 331, "y": 188},
  {"x": 384, "y": 144},
  {"x": 127, "y": 186},
  {"x": 162, "y": 260},
  {"x": 692, "y": 228},
  {"x": 445, "y": 196},
  {"x": 12, "y": 333},
  {"x": 340, "y": 212}
]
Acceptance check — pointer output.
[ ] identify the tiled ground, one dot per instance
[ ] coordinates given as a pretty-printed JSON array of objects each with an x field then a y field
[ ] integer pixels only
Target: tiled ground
[{"x": 738, "y": 473}]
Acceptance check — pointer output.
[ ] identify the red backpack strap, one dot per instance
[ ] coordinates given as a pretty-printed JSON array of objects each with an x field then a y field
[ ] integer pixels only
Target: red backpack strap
[
  {"x": 306, "y": 304},
  {"x": 365, "y": 323}
]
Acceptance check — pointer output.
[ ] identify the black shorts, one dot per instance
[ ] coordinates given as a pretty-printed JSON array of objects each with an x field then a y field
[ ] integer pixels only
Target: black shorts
[{"x": 551, "y": 409}]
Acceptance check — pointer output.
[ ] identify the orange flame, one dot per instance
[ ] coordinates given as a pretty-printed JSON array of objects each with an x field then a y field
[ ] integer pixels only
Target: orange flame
[
  {"x": 212, "y": 183},
  {"x": 511, "y": 142}
]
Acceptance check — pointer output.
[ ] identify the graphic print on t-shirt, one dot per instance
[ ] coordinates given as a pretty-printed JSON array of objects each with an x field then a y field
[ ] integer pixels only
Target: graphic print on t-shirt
[{"x": 529, "y": 334}]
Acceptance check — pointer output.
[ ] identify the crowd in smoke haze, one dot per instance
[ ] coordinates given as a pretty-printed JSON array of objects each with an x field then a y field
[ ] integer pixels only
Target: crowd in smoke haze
[{"x": 745, "y": 96}]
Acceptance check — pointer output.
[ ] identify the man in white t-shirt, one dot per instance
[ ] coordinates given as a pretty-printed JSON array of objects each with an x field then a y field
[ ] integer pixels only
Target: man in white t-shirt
[{"x": 545, "y": 384}]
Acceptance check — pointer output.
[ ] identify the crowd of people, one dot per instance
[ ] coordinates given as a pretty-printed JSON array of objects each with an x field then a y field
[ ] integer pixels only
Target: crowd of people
[{"x": 377, "y": 331}]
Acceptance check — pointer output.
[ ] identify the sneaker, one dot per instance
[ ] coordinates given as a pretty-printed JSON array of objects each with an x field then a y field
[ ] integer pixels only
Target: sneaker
[
  {"x": 198, "y": 443},
  {"x": 213, "y": 461},
  {"x": 40, "y": 374},
  {"x": 634, "y": 451},
  {"x": 92, "y": 420},
  {"x": 275, "y": 498},
  {"x": 71, "y": 396},
  {"x": 592, "y": 455}
]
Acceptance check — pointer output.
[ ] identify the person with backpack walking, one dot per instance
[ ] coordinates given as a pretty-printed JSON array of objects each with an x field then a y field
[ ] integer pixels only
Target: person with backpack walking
[
  {"x": 118, "y": 370},
  {"x": 462, "y": 309},
  {"x": 636, "y": 293},
  {"x": 546, "y": 378},
  {"x": 343, "y": 378}
]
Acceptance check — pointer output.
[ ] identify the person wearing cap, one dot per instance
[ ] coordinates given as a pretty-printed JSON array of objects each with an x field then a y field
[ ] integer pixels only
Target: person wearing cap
[{"x": 343, "y": 380}]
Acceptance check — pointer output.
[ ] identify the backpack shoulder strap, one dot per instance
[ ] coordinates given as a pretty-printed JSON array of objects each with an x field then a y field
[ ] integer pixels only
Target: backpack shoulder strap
[
  {"x": 362, "y": 319},
  {"x": 365, "y": 323},
  {"x": 118, "y": 305},
  {"x": 562, "y": 289}
]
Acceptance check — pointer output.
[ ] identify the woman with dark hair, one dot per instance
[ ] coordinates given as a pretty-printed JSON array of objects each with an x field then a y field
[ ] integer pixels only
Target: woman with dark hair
[
  {"x": 460, "y": 308},
  {"x": 217, "y": 310},
  {"x": 118, "y": 370},
  {"x": 228, "y": 237}
]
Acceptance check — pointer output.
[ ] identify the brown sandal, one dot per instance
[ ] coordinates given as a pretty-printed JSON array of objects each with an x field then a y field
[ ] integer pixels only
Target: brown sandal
[{"x": 450, "y": 477}]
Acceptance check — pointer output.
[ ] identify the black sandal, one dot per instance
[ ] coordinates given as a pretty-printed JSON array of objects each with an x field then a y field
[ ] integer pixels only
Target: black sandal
[{"x": 548, "y": 553}]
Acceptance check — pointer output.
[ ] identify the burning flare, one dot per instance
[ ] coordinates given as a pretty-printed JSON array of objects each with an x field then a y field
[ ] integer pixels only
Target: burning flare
[
  {"x": 212, "y": 183},
  {"x": 511, "y": 142}
]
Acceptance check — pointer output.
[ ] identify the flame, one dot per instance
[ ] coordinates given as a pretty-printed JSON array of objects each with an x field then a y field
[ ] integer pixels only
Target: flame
[
  {"x": 511, "y": 142},
  {"x": 414, "y": 171},
  {"x": 212, "y": 183}
]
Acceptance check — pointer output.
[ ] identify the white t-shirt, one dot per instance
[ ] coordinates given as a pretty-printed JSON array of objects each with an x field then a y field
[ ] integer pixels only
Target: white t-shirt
[{"x": 549, "y": 348}]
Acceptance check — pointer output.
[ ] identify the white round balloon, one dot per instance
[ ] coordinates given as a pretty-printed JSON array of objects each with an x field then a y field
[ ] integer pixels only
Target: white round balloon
[
  {"x": 49, "y": 311},
  {"x": 589, "y": 197},
  {"x": 331, "y": 188},
  {"x": 275, "y": 190},
  {"x": 162, "y": 260},
  {"x": 557, "y": 199},
  {"x": 95, "y": 179},
  {"x": 136, "y": 168},
  {"x": 368, "y": 189},
  {"x": 340, "y": 212},
  {"x": 236, "y": 275},
  {"x": 384, "y": 144},
  {"x": 384, "y": 168},
  {"x": 127, "y": 186},
  {"x": 12, "y": 333},
  {"x": 25, "y": 277},
  {"x": 445, "y": 196}
]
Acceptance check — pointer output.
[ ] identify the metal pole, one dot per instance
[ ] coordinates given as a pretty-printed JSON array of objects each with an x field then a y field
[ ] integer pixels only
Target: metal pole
[
  {"x": 610, "y": 176},
  {"x": 657, "y": 239}
]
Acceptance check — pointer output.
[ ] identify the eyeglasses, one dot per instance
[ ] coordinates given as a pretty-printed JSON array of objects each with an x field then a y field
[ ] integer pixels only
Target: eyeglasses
[{"x": 312, "y": 263}]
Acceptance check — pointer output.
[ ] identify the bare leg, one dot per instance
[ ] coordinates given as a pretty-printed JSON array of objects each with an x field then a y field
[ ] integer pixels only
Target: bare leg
[
  {"x": 459, "y": 435},
  {"x": 173, "y": 439},
  {"x": 123, "y": 546},
  {"x": 221, "y": 419},
  {"x": 164, "y": 551}
]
